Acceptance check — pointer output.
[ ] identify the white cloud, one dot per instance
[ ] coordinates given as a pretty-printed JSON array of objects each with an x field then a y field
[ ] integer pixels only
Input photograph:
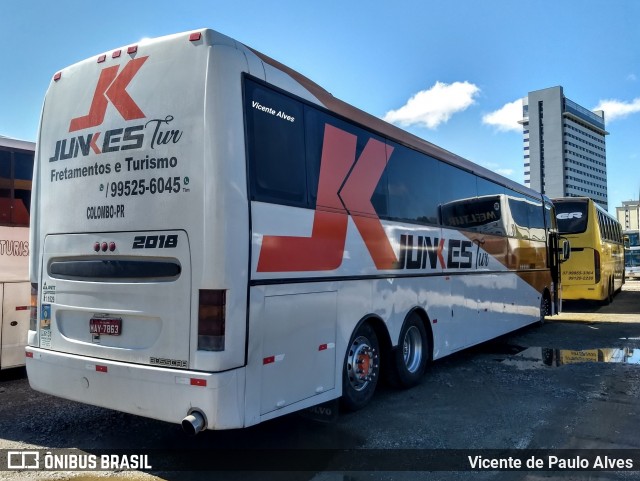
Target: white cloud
[
  {"x": 505, "y": 172},
  {"x": 506, "y": 118},
  {"x": 616, "y": 109},
  {"x": 632, "y": 77},
  {"x": 432, "y": 107}
]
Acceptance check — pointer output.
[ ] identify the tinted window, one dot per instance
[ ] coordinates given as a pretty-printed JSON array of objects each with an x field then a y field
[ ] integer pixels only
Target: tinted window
[
  {"x": 550, "y": 216},
  {"x": 455, "y": 184},
  {"x": 23, "y": 166},
  {"x": 16, "y": 170},
  {"x": 481, "y": 214},
  {"x": 5, "y": 166},
  {"x": 350, "y": 141},
  {"x": 275, "y": 130},
  {"x": 413, "y": 186},
  {"x": 571, "y": 216},
  {"x": 486, "y": 187}
]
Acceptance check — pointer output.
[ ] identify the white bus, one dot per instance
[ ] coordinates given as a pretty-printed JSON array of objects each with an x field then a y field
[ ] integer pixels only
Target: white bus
[
  {"x": 218, "y": 241},
  {"x": 16, "y": 169}
]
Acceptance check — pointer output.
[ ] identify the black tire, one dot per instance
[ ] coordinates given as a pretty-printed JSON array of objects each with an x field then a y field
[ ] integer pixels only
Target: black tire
[
  {"x": 361, "y": 368},
  {"x": 609, "y": 299},
  {"x": 411, "y": 355}
]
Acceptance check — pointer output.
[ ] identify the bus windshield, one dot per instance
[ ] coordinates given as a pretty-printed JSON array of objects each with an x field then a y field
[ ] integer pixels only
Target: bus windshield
[
  {"x": 632, "y": 258},
  {"x": 572, "y": 217}
]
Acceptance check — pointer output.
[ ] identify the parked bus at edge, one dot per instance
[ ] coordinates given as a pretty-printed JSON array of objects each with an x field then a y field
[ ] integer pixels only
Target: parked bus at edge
[
  {"x": 16, "y": 169},
  {"x": 218, "y": 241},
  {"x": 632, "y": 262},
  {"x": 595, "y": 270}
]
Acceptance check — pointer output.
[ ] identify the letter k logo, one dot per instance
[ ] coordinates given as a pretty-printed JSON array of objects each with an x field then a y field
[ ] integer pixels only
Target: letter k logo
[
  {"x": 342, "y": 190},
  {"x": 112, "y": 87}
]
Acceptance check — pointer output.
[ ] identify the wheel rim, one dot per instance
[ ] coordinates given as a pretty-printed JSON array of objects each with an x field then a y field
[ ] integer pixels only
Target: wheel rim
[
  {"x": 412, "y": 349},
  {"x": 362, "y": 363}
]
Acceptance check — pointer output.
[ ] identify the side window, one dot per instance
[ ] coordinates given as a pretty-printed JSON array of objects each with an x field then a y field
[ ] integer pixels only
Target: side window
[
  {"x": 518, "y": 226},
  {"x": 455, "y": 186},
  {"x": 5, "y": 187},
  {"x": 316, "y": 124},
  {"x": 275, "y": 132},
  {"x": 550, "y": 216},
  {"x": 22, "y": 181},
  {"x": 536, "y": 219},
  {"x": 486, "y": 187},
  {"x": 16, "y": 170},
  {"x": 480, "y": 214},
  {"x": 413, "y": 191}
]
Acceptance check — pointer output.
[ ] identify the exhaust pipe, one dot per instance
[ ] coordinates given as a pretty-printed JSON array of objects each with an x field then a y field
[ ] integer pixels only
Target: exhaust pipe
[{"x": 194, "y": 423}]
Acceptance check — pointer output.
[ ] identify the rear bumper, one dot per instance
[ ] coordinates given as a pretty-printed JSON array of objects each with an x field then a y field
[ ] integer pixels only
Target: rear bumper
[
  {"x": 590, "y": 292},
  {"x": 153, "y": 392}
]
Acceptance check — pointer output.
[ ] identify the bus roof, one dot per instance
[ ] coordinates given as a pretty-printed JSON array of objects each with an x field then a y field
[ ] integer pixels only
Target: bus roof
[{"x": 17, "y": 144}]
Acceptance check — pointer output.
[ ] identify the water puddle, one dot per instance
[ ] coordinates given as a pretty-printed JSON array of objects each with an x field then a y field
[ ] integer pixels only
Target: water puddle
[{"x": 544, "y": 358}]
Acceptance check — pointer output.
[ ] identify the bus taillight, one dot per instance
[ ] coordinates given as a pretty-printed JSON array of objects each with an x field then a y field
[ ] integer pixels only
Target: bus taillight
[
  {"x": 211, "y": 319},
  {"x": 33, "y": 315},
  {"x": 596, "y": 265}
]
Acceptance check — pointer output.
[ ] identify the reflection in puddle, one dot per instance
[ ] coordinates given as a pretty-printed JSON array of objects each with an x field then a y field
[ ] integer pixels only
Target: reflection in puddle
[{"x": 542, "y": 357}]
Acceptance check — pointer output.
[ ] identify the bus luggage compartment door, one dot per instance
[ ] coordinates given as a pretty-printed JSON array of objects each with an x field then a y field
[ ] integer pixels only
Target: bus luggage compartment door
[{"x": 123, "y": 296}]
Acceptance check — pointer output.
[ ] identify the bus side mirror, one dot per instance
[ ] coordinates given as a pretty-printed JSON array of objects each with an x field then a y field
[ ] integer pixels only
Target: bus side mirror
[{"x": 565, "y": 249}]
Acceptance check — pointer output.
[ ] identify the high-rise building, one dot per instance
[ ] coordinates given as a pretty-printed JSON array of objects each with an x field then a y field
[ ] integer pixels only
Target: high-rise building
[
  {"x": 629, "y": 214},
  {"x": 564, "y": 147}
]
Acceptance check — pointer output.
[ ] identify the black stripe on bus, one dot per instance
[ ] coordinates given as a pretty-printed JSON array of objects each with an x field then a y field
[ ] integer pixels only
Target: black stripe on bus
[
  {"x": 113, "y": 269},
  {"x": 373, "y": 277}
]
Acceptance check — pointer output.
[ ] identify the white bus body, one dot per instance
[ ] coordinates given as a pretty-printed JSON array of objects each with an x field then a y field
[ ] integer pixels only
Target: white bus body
[
  {"x": 16, "y": 166},
  {"x": 176, "y": 277}
]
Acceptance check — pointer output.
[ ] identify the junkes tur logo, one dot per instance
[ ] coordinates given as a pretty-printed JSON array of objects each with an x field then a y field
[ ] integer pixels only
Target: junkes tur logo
[{"x": 112, "y": 87}]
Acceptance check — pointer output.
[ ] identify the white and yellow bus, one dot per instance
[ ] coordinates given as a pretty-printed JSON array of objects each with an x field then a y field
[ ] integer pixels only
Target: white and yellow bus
[
  {"x": 218, "y": 241},
  {"x": 16, "y": 169},
  {"x": 595, "y": 270}
]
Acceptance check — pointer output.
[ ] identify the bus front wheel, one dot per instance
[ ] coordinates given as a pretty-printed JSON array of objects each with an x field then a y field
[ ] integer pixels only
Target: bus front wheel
[{"x": 361, "y": 368}]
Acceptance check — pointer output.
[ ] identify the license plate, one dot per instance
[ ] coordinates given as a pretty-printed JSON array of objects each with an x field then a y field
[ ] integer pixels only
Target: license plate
[{"x": 105, "y": 326}]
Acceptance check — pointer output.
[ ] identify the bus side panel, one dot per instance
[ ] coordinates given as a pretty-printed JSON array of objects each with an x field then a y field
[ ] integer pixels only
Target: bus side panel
[
  {"x": 14, "y": 323},
  {"x": 294, "y": 348}
]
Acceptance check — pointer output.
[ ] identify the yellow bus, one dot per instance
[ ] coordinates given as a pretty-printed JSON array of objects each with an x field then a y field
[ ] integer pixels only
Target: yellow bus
[{"x": 595, "y": 270}]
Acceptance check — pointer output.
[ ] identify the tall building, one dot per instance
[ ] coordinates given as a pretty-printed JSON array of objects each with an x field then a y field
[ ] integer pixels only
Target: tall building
[
  {"x": 564, "y": 147},
  {"x": 629, "y": 214}
]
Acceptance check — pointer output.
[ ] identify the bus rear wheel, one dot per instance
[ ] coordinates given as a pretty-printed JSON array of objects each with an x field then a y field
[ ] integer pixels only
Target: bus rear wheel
[
  {"x": 411, "y": 355},
  {"x": 361, "y": 368},
  {"x": 609, "y": 299}
]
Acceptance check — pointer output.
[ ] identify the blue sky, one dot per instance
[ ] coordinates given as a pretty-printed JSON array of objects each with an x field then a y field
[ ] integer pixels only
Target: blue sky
[{"x": 446, "y": 70}]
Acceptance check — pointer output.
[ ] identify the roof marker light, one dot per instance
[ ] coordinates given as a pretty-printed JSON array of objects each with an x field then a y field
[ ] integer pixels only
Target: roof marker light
[
  {"x": 57, "y": 76},
  {"x": 132, "y": 49},
  {"x": 194, "y": 37},
  {"x": 102, "y": 58},
  {"x": 116, "y": 54}
]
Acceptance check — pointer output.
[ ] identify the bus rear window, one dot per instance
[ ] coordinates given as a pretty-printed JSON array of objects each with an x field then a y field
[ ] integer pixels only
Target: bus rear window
[{"x": 572, "y": 217}]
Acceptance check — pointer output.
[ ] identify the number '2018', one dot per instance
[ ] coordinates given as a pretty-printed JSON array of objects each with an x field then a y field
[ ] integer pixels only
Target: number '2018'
[{"x": 155, "y": 241}]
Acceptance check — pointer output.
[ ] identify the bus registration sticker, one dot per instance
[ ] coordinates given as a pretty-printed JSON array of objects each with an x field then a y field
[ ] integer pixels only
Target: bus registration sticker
[{"x": 105, "y": 326}]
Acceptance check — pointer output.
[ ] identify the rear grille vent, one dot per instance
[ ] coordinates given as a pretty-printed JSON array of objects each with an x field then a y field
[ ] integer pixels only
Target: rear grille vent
[{"x": 114, "y": 270}]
